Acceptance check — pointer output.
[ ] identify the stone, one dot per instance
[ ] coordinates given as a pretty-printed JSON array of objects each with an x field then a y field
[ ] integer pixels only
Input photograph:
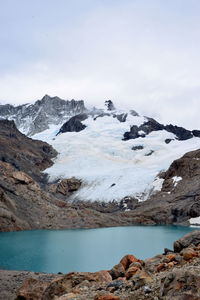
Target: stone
[
  {"x": 140, "y": 279},
  {"x": 171, "y": 256},
  {"x": 22, "y": 177},
  {"x": 161, "y": 267},
  {"x": 68, "y": 296},
  {"x": 117, "y": 271},
  {"x": 127, "y": 260},
  {"x": 67, "y": 186},
  {"x": 106, "y": 297},
  {"x": 71, "y": 281},
  {"x": 187, "y": 240},
  {"x": 189, "y": 253},
  {"x": 131, "y": 271},
  {"x": 32, "y": 289}
]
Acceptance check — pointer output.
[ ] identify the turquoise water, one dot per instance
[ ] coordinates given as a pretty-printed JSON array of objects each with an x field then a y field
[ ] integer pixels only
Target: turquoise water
[{"x": 83, "y": 249}]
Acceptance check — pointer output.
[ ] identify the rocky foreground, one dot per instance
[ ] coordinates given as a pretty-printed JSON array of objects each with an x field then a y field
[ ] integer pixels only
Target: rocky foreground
[{"x": 172, "y": 275}]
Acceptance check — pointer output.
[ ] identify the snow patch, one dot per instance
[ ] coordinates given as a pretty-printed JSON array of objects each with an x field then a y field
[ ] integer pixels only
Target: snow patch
[
  {"x": 176, "y": 179},
  {"x": 157, "y": 184},
  {"x": 195, "y": 221}
]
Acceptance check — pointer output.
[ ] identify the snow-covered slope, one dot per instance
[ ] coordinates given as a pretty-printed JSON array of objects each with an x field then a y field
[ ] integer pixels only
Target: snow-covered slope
[{"x": 106, "y": 164}]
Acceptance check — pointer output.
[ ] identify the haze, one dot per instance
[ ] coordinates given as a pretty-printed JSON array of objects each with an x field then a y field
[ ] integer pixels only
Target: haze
[{"x": 141, "y": 54}]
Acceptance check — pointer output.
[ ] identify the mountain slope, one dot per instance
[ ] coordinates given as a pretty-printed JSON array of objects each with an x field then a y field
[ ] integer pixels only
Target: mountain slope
[
  {"x": 34, "y": 118},
  {"x": 110, "y": 165}
]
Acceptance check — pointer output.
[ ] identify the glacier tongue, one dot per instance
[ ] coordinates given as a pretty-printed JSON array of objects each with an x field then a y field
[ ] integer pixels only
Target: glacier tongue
[{"x": 107, "y": 165}]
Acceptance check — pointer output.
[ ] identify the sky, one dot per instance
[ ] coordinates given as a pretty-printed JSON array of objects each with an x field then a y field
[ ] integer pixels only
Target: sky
[{"x": 142, "y": 54}]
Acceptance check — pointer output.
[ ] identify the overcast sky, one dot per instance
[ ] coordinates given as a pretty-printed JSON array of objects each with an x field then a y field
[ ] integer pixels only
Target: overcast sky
[{"x": 142, "y": 54}]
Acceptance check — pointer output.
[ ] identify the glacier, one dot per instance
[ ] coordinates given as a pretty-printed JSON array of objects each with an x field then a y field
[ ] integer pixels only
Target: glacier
[{"x": 107, "y": 166}]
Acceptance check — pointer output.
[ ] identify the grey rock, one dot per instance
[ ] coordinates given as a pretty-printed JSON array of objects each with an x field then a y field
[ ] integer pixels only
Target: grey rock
[
  {"x": 74, "y": 124},
  {"x": 35, "y": 118}
]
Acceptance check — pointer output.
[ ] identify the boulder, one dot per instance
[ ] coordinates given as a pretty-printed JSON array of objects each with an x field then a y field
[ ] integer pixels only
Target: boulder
[
  {"x": 127, "y": 260},
  {"x": 65, "y": 186},
  {"x": 32, "y": 289},
  {"x": 131, "y": 271},
  {"x": 187, "y": 240},
  {"x": 67, "y": 283},
  {"x": 117, "y": 271},
  {"x": 189, "y": 253}
]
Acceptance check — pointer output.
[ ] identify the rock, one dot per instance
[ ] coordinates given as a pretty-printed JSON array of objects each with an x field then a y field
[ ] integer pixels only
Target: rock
[
  {"x": 71, "y": 281},
  {"x": 171, "y": 256},
  {"x": 127, "y": 260},
  {"x": 22, "y": 153},
  {"x": 188, "y": 253},
  {"x": 74, "y": 124},
  {"x": 152, "y": 125},
  {"x": 131, "y": 271},
  {"x": 181, "y": 285},
  {"x": 106, "y": 297},
  {"x": 147, "y": 289},
  {"x": 139, "y": 147},
  {"x": 161, "y": 267},
  {"x": 140, "y": 279},
  {"x": 149, "y": 153},
  {"x": 121, "y": 118},
  {"x": 37, "y": 117},
  {"x": 116, "y": 284},
  {"x": 22, "y": 177},
  {"x": 32, "y": 289},
  {"x": 167, "y": 141},
  {"x": 187, "y": 240},
  {"x": 66, "y": 186},
  {"x": 109, "y": 104},
  {"x": 117, "y": 271},
  {"x": 68, "y": 296},
  {"x": 196, "y": 133}
]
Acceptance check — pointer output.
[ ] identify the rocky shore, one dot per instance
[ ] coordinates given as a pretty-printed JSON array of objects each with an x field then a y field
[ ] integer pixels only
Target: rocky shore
[{"x": 171, "y": 275}]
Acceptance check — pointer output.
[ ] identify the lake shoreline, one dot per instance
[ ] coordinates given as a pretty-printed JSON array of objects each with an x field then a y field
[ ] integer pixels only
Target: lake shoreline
[{"x": 130, "y": 279}]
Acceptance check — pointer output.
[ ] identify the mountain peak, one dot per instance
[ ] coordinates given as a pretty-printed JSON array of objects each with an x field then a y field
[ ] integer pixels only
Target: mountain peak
[{"x": 109, "y": 104}]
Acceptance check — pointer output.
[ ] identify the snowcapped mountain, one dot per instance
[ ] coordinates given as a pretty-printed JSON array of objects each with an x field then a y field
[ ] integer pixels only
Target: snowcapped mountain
[
  {"x": 33, "y": 118},
  {"x": 115, "y": 153}
]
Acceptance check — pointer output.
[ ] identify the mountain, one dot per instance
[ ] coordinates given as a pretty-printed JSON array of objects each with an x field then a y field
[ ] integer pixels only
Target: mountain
[
  {"x": 37, "y": 117},
  {"x": 116, "y": 153},
  {"x": 100, "y": 167}
]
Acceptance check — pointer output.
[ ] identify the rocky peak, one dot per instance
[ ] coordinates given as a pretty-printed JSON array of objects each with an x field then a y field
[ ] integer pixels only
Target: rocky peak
[
  {"x": 109, "y": 104},
  {"x": 34, "y": 118}
]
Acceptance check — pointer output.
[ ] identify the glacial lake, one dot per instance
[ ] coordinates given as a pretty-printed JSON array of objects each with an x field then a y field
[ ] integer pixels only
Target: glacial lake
[{"x": 83, "y": 249}]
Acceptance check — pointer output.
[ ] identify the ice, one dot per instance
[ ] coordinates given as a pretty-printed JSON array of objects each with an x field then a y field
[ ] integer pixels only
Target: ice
[
  {"x": 195, "y": 221},
  {"x": 107, "y": 165}
]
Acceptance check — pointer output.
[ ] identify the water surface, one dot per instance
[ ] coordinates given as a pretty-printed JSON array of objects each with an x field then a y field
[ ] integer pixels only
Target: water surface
[{"x": 83, "y": 249}]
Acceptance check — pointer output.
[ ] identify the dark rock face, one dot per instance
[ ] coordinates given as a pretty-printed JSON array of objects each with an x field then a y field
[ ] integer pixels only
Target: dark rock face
[
  {"x": 152, "y": 125},
  {"x": 121, "y": 118},
  {"x": 23, "y": 153},
  {"x": 139, "y": 147},
  {"x": 36, "y": 117},
  {"x": 109, "y": 104},
  {"x": 74, "y": 124}
]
